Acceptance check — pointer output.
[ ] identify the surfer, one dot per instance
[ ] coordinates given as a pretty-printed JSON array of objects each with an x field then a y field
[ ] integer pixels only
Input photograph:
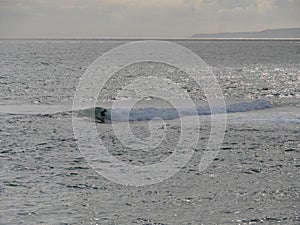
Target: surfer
[{"x": 100, "y": 114}]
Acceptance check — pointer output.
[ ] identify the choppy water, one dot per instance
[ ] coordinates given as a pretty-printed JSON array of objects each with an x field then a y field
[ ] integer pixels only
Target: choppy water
[{"x": 44, "y": 179}]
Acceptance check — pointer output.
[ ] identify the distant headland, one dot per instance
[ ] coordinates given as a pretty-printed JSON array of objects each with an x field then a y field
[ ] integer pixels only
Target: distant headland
[{"x": 270, "y": 33}]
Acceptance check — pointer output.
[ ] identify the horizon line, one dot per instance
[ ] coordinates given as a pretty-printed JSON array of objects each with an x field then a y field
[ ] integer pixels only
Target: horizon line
[{"x": 140, "y": 38}]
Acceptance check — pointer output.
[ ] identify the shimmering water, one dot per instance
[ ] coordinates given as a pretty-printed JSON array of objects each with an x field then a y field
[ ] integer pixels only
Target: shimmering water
[{"x": 44, "y": 179}]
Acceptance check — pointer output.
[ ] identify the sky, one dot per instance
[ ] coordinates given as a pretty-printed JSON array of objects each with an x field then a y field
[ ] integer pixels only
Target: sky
[{"x": 143, "y": 18}]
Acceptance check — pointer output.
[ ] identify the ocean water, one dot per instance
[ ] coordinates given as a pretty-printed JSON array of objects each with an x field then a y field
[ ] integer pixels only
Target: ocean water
[{"x": 46, "y": 179}]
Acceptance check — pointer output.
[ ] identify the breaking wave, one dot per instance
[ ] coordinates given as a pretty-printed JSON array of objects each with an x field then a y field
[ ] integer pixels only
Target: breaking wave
[
  {"x": 143, "y": 114},
  {"x": 134, "y": 114}
]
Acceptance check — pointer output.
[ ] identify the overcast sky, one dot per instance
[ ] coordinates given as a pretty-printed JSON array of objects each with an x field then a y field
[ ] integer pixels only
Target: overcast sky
[{"x": 142, "y": 18}]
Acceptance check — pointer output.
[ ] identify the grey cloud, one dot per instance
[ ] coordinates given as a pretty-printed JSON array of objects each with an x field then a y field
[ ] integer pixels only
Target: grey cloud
[{"x": 151, "y": 18}]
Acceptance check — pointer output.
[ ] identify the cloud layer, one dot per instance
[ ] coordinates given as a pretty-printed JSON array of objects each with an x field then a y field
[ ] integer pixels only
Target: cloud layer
[{"x": 142, "y": 18}]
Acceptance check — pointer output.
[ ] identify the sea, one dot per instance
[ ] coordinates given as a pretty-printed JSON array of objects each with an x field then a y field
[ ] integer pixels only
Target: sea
[{"x": 52, "y": 173}]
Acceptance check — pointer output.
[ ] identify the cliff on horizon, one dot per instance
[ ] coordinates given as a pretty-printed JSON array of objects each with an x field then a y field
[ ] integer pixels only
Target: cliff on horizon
[{"x": 270, "y": 33}]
